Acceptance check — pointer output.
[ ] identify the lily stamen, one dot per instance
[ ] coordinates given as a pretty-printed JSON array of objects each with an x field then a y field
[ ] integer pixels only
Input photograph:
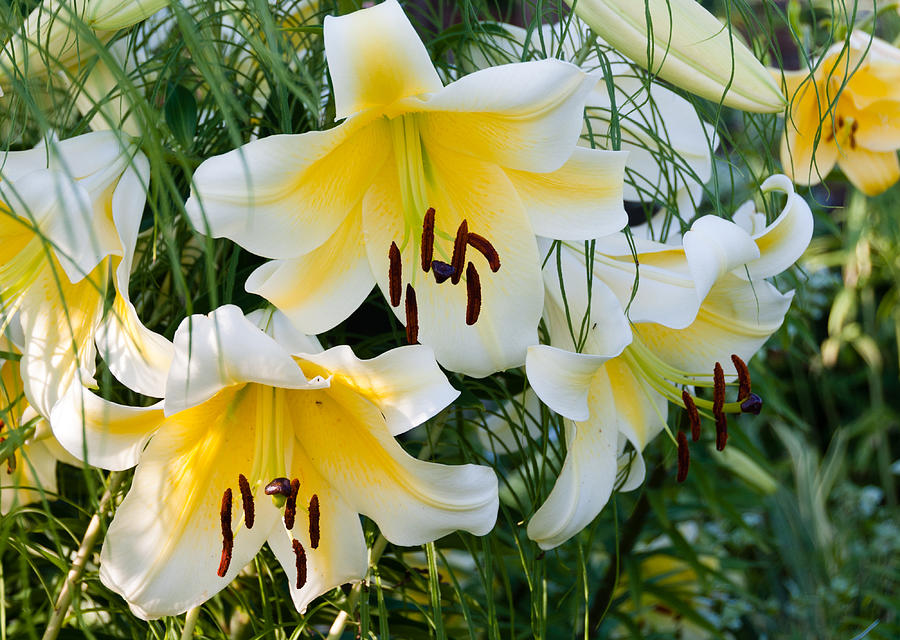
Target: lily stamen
[
  {"x": 227, "y": 535},
  {"x": 11, "y": 464},
  {"x": 459, "y": 251},
  {"x": 314, "y": 521},
  {"x": 247, "y": 501},
  {"x": 721, "y": 431},
  {"x": 412, "y": 316},
  {"x": 693, "y": 415},
  {"x": 485, "y": 248},
  {"x": 427, "y": 240},
  {"x": 684, "y": 457},
  {"x": 394, "y": 274},
  {"x": 718, "y": 389},
  {"x": 743, "y": 376},
  {"x": 290, "y": 505},
  {"x": 300, "y": 562},
  {"x": 473, "y": 295}
]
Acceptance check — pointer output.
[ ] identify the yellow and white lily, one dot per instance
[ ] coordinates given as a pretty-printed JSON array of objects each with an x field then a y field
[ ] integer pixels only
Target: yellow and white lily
[
  {"x": 694, "y": 306},
  {"x": 669, "y": 146},
  {"x": 686, "y": 45},
  {"x": 69, "y": 218},
  {"x": 244, "y": 412},
  {"x": 30, "y": 472},
  {"x": 340, "y": 210},
  {"x": 847, "y": 112},
  {"x": 52, "y": 37}
]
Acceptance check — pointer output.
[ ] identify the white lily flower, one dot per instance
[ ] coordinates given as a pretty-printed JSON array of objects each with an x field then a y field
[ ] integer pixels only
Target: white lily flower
[
  {"x": 669, "y": 146},
  {"x": 686, "y": 45},
  {"x": 54, "y": 32},
  {"x": 30, "y": 472},
  {"x": 69, "y": 218},
  {"x": 387, "y": 196},
  {"x": 694, "y": 306},
  {"x": 242, "y": 411}
]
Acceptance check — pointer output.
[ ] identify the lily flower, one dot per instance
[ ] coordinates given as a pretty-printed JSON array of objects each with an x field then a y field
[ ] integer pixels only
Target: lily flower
[
  {"x": 260, "y": 440},
  {"x": 686, "y": 45},
  {"x": 669, "y": 146},
  {"x": 434, "y": 193},
  {"x": 69, "y": 218},
  {"x": 847, "y": 112},
  {"x": 694, "y": 307},
  {"x": 55, "y": 31},
  {"x": 30, "y": 472}
]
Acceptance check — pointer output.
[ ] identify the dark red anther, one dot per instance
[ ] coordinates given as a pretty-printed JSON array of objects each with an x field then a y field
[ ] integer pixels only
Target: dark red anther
[
  {"x": 427, "y": 240},
  {"x": 459, "y": 252},
  {"x": 227, "y": 535},
  {"x": 684, "y": 457},
  {"x": 473, "y": 295},
  {"x": 279, "y": 487},
  {"x": 247, "y": 501},
  {"x": 743, "y": 376},
  {"x": 441, "y": 271},
  {"x": 483, "y": 246},
  {"x": 693, "y": 415},
  {"x": 314, "y": 521},
  {"x": 300, "y": 562},
  {"x": 753, "y": 404},
  {"x": 721, "y": 431},
  {"x": 290, "y": 506},
  {"x": 395, "y": 273},
  {"x": 412, "y": 316},
  {"x": 718, "y": 389}
]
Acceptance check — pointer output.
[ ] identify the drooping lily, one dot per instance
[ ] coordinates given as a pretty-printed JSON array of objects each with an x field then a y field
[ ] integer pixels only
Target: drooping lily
[
  {"x": 847, "y": 112},
  {"x": 686, "y": 45},
  {"x": 29, "y": 473},
  {"x": 54, "y": 32},
  {"x": 694, "y": 307},
  {"x": 67, "y": 233},
  {"x": 260, "y": 440},
  {"x": 669, "y": 146},
  {"x": 434, "y": 193}
]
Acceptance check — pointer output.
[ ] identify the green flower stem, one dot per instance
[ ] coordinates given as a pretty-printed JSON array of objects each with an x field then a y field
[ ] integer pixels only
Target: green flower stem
[{"x": 81, "y": 558}]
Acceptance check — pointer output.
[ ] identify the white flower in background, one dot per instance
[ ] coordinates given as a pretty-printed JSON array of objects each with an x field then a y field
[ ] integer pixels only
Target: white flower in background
[
  {"x": 694, "y": 307},
  {"x": 434, "y": 193},
  {"x": 670, "y": 147},
  {"x": 69, "y": 218},
  {"x": 260, "y": 440}
]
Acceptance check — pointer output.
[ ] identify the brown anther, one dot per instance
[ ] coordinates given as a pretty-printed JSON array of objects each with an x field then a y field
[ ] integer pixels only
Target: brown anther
[
  {"x": 290, "y": 506},
  {"x": 721, "y": 431},
  {"x": 459, "y": 252},
  {"x": 718, "y": 389},
  {"x": 314, "y": 521},
  {"x": 483, "y": 246},
  {"x": 247, "y": 501},
  {"x": 279, "y": 487},
  {"x": 300, "y": 562},
  {"x": 743, "y": 376},
  {"x": 227, "y": 535},
  {"x": 753, "y": 404},
  {"x": 693, "y": 415},
  {"x": 395, "y": 275},
  {"x": 412, "y": 316},
  {"x": 473, "y": 295},
  {"x": 441, "y": 270},
  {"x": 427, "y": 239},
  {"x": 684, "y": 457}
]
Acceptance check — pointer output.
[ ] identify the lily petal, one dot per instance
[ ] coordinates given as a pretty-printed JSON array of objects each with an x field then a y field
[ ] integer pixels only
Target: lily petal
[
  {"x": 872, "y": 172},
  {"x": 525, "y": 116},
  {"x": 715, "y": 246},
  {"x": 337, "y": 275},
  {"x": 562, "y": 379},
  {"x": 582, "y": 199},
  {"x": 404, "y": 383},
  {"x": 287, "y": 182},
  {"x": 376, "y": 58}
]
